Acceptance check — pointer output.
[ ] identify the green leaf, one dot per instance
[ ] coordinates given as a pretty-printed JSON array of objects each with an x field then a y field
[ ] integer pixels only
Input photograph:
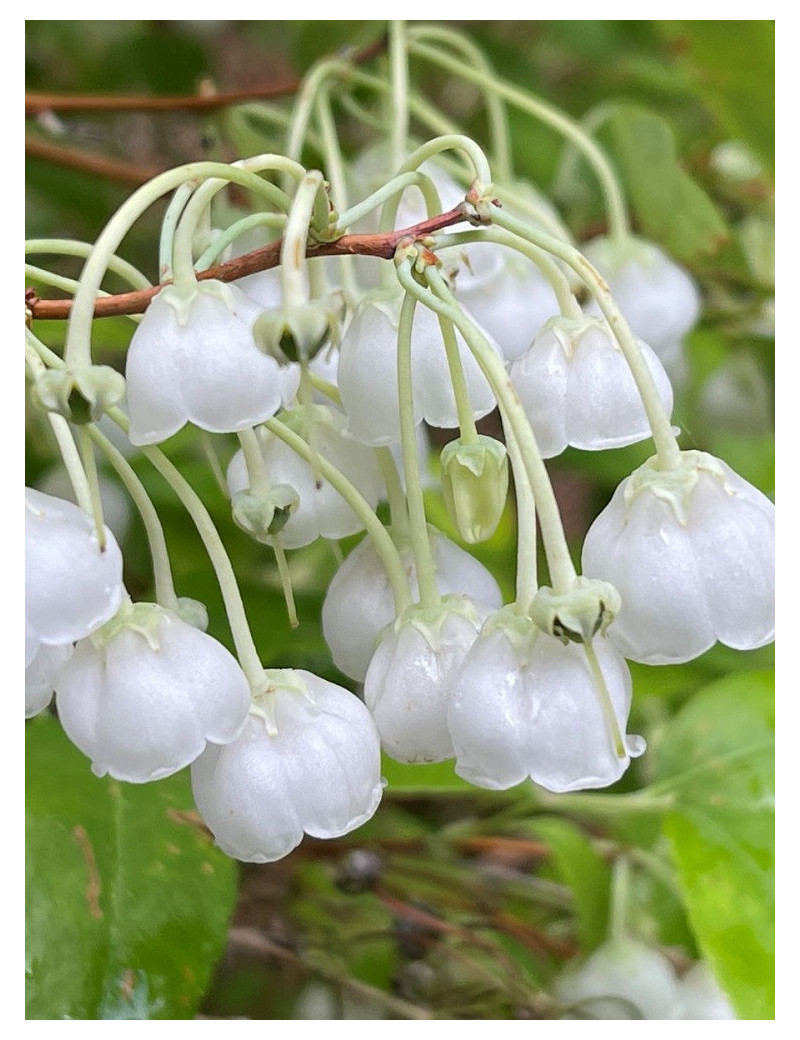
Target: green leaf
[
  {"x": 717, "y": 756},
  {"x": 127, "y": 899},
  {"x": 732, "y": 67},
  {"x": 316, "y": 40},
  {"x": 581, "y": 868},
  {"x": 669, "y": 206}
]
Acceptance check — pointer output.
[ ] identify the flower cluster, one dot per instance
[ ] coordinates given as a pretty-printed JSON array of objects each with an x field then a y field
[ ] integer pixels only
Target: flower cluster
[{"x": 318, "y": 383}]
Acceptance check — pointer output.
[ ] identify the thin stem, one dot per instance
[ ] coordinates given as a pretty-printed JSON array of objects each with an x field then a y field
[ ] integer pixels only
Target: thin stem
[
  {"x": 384, "y": 545},
  {"x": 669, "y": 453},
  {"x": 398, "y": 65},
  {"x": 527, "y": 582},
  {"x": 305, "y": 100},
  {"x": 466, "y": 423},
  {"x": 620, "y": 897},
  {"x": 210, "y": 453},
  {"x": 568, "y": 128},
  {"x": 223, "y": 239},
  {"x": 558, "y": 281},
  {"x": 198, "y": 204},
  {"x": 72, "y": 247},
  {"x": 78, "y": 341},
  {"x": 562, "y": 571},
  {"x": 162, "y": 572},
  {"x": 609, "y": 715},
  {"x": 257, "y": 478},
  {"x": 234, "y": 607},
  {"x": 169, "y": 226},
  {"x": 295, "y": 238},
  {"x": 392, "y": 189},
  {"x": 61, "y": 428},
  {"x": 90, "y": 469},
  {"x": 334, "y": 167},
  {"x": 420, "y": 542},
  {"x": 286, "y": 580},
  {"x": 447, "y": 142},
  {"x": 398, "y": 507},
  {"x": 495, "y": 110},
  {"x": 60, "y": 281}
]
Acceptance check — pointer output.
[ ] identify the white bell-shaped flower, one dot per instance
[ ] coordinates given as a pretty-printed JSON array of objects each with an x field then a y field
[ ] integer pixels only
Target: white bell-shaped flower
[
  {"x": 359, "y": 603},
  {"x": 700, "y": 996},
  {"x": 193, "y": 359},
  {"x": 118, "y": 511},
  {"x": 659, "y": 299},
  {"x": 41, "y": 675},
  {"x": 577, "y": 388},
  {"x": 144, "y": 695},
  {"x": 322, "y": 511},
  {"x": 692, "y": 553},
  {"x": 622, "y": 979},
  {"x": 71, "y": 586},
  {"x": 367, "y": 375},
  {"x": 506, "y": 294},
  {"x": 408, "y": 682},
  {"x": 307, "y": 762},
  {"x": 524, "y": 705}
]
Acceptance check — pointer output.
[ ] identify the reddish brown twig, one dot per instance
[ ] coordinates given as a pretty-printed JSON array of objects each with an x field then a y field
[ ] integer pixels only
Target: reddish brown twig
[
  {"x": 382, "y": 246},
  {"x": 205, "y": 102},
  {"x": 90, "y": 162}
]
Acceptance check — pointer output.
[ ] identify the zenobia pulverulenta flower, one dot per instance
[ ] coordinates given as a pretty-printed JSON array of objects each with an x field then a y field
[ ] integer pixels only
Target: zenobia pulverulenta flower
[
  {"x": 622, "y": 979},
  {"x": 691, "y": 551},
  {"x": 577, "y": 389},
  {"x": 658, "y": 297},
  {"x": 72, "y": 586},
  {"x": 146, "y": 693},
  {"x": 321, "y": 511},
  {"x": 408, "y": 682},
  {"x": 41, "y": 676},
  {"x": 193, "y": 358},
  {"x": 700, "y": 996},
  {"x": 367, "y": 375},
  {"x": 359, "y": 603},
  {"x": 526, "y": 706},
  {"x": 307, "y": 762}
]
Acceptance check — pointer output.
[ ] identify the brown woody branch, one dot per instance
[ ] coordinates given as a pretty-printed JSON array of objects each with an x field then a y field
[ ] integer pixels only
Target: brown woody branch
[
  {"x": 382, "y": 246},
  {"x": 204, "y": 102},
  {"x": 90, "y": 162}
]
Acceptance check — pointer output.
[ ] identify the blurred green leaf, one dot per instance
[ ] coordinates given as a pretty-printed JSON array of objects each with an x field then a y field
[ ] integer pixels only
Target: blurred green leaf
[
  {"x": 732, "y": 67},
  {"x": 127, "y": 899},
  {"x": 670, "y": 207},
  {"x": 582, "y": 869},
  {"x": 315, "y": 40},
  {"x": 718, "y": 758}
]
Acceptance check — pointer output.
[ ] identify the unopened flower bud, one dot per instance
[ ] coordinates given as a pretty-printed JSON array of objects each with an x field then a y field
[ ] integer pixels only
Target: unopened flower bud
[
  {"x": 81, "y": 394},
  {"x": 578, "y": 615},
  {"x": 265, "y": 514},
  {"x": 291, "y": 334},
  {"x": 475, "y": 485}
]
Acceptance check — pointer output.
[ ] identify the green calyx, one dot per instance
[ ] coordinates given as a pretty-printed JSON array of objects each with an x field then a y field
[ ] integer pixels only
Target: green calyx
[
  {"x": 81, "y": 393},
  {"x": 673, "y": 486},
  {"x": 429, "y": 620},
  {"x": 264, "y": 515},
  {"x": 297, "y": 334},
  {"x": 569, "y": 331},
  {"x": 142, "y": 618},
  {"x": 578, "y": 615},
  {"x": 475, "y": 485}
]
